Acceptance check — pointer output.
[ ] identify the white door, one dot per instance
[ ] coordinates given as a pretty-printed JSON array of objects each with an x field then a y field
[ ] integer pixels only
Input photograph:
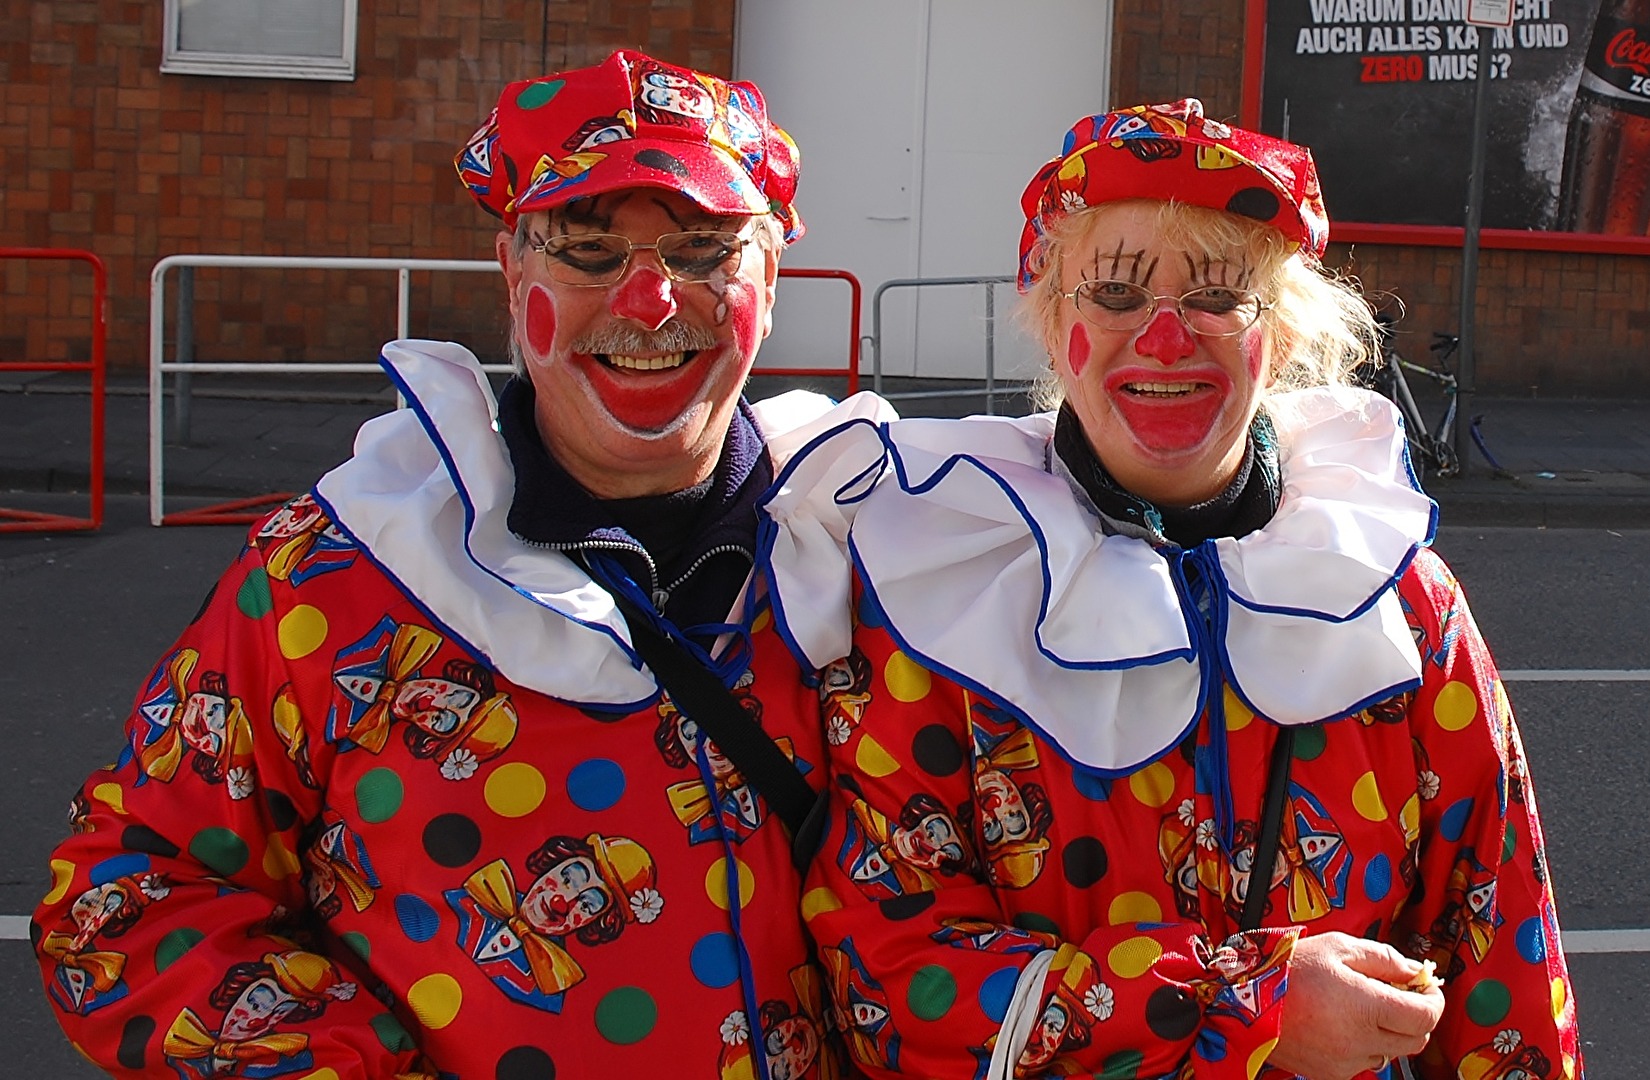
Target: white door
[{"x": 920, "y": 123}]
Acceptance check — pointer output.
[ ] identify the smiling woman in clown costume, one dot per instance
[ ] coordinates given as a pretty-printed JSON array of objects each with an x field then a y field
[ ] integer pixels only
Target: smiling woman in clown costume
[{"x": 1234, "y": 787}]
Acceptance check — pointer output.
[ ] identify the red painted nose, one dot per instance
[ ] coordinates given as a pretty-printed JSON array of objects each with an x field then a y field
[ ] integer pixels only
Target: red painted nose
[
  {"x": 1166, "y": 339},
  {"x": 644, "y": 297}
]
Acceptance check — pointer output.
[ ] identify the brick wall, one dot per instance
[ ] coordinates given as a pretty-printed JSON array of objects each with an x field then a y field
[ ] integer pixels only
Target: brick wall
[
  {"x": 103, "y": 152},
  {"x": 1547, "y": 323}
]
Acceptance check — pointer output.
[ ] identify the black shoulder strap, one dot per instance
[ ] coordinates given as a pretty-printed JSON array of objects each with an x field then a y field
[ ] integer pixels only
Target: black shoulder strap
[
  {"x": 1271, "y": 826},
  {"x": 698, "y": 693}
]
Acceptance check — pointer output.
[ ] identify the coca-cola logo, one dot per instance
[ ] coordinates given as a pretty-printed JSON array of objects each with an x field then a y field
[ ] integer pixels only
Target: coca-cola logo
[{"x": 1625, "y": 50}]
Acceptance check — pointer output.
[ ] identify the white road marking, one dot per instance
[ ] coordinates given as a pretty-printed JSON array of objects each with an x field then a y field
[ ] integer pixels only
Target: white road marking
[
  {"x": 1577, "y": 675},
  {"x": 14, "y": 928}
]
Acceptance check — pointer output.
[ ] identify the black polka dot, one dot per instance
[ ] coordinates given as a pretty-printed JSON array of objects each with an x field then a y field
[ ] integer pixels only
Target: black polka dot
[
  {"x": 452, "y": 840},
  {"x": 35, "y": 933},
  {"x": 1171, "y": 1013},
  {"x": 906, "y": 907},
  {"x": 525, "y": 1063},
  {"x": 1037, "y": 923},
  {"x": 134, "y": 1039},
  {"x": 144, "y": 839},
  {"x": 937, "y": 751},
  {"x": 658, "y": 159},
  {"x": 604, "y": 717},
  {"x": 1084, "y": 861},
  {"x": 206, "y": 602},
  {"x": 1373, "y": 931},
  {"x": 1256, "y": 202},
  {"x": 282, "y": 814}
]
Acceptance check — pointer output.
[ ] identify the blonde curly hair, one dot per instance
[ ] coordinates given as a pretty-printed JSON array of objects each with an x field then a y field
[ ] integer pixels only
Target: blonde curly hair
[{"x": 1319, "y": 326}]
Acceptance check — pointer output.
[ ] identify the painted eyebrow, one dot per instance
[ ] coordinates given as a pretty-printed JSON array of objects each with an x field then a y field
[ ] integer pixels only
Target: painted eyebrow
[
  {"x": 696, "y": 218},
  {"x": 1223, "y": 271},
  {"x": 1133, "y": 260}
]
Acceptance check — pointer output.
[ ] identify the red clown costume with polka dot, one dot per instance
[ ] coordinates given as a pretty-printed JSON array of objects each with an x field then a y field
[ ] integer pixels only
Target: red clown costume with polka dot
[
  {"x": 1057, "y": 705},
  {"x": 404, "y": 800}
]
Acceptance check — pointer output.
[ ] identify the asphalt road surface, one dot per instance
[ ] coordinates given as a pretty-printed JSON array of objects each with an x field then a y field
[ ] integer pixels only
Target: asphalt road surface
[{"x": 83, "y": 617}]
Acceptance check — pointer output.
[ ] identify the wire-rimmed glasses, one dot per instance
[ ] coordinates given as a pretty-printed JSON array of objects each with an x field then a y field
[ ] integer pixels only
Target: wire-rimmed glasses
[
  {"x": 1210, "y": 310},
  {"x": 602, "y": 258}
]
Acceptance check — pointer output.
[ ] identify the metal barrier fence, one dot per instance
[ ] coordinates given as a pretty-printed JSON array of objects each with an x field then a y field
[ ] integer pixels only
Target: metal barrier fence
[
  {"x": 247, "y": 509},
  {"x": 990, "y": 389},
  {"x": 13, "y": 520}
]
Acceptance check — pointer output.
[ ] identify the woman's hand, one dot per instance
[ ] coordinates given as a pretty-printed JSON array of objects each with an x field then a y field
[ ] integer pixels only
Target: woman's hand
[{"x": 1345, "y": 1013}]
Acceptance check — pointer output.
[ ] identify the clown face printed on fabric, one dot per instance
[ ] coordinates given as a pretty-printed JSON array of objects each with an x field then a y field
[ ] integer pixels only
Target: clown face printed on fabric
[
  {"x": 928, "y": 836},
  {"x": 790, "y": 1042},
  {"x": 1469, "y": 917},
  {"x": 337, "y": 868},
  {"x": 1506, "y": 1057},
  {"x": 438, "y": 706},
  {"x": 1003, "y": 814},
  {"x": 300, "y": 542},
  {"x": 1047, "y": 1039},
  {"x": 667, "y": 92},
  {"x": 598, "y": 131},
  {"x": 862, "y": 1012},
  {"x": 567, "y": 896},
  {"x": 259, "y": 1008},
  {"x": 113, "y": 907},
  {"x": 844, "y": 693},
  {"x": 257, "y": 999},
  {"x": 205, "y": 718}
]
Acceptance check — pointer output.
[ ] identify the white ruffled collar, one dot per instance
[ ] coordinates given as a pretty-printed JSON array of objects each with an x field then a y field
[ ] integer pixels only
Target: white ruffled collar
[
  {"x": 426, "y": 496},
  {"x": 987, "y": 569}
]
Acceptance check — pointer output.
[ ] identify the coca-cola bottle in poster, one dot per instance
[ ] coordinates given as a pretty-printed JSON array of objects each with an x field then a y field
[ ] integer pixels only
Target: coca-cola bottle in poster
[{"x": 1606, "y": 186}]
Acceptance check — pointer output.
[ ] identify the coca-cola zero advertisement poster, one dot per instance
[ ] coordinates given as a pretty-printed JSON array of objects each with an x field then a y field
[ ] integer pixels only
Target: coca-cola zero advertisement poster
[{"x": 1383, "y": 90}]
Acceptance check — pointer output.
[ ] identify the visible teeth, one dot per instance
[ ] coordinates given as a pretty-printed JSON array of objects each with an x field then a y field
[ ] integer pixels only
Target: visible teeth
[
  {"x": 647, "y": 363},
  {"x": 1161, "y": 388}
]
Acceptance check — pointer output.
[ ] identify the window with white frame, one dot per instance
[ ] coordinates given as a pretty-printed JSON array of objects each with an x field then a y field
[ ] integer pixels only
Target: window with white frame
[{"x": 283, "y": 39}]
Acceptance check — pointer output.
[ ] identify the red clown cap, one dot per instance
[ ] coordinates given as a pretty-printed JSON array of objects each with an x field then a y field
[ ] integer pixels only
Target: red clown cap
[
  {"x": 632, "y": 121},
  {"x": 1174, "y": 152}
]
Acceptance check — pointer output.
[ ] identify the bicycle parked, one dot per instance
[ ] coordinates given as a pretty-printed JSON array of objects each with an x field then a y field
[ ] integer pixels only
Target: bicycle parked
[{"x": 1431, "y": 448}]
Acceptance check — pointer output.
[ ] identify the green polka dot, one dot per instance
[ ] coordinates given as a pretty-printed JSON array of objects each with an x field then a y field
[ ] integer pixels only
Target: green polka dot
[
  {"x": 1037, "y": 924},
  {"x": 539, "y": 94},
  {"x": 1309, "y": 742},
  {"x": 358, "y": 944},
  {"x": 378, "y": 795},
  {"x": 391, "y": 1034},
  {"x": 174, "y": 945},
  {"x": 626, "y": 1015},
  {"x": 1123, "y": 1065},
  {"x": 253, "y": 597},
  {"x": 221, "y": 850},
  {"x": 1509, "y": 844},
  {"x": 931, "y": 992},
  {"x": 1488, "y": 1003}
]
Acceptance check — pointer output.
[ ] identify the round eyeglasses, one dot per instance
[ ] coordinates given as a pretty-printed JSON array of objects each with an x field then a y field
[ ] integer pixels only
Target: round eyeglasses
[
  {"x": 602, "y": 258},
  {"x": 1213, "y": 310}
]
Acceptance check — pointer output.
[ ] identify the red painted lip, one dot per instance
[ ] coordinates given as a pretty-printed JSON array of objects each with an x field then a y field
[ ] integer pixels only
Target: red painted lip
[
  {"x": 1167, "y": 425},
  {"x": 649, "y": 400}
]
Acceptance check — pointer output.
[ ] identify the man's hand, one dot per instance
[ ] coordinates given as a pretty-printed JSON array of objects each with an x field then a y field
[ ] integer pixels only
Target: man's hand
[{"x": 1345, "y": 1013}]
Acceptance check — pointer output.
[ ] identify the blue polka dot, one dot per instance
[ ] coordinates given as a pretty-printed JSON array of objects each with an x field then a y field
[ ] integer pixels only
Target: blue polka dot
[
  {"x": 1454, "y": 821},
  {"x": 869, "y": 613},
  {"x": 1378, "y": 877},
  {"x": 715, "y": 960},
  {"x": 1203, "y": 768},
  {"x": 996, "y": 992},
  {"x": 1211, "y": 1045},
  {"x": 128, "y": 865},
  {"x": 1090, "y": 786},
  {"x": 1532, "y": 944},
  {"x": 418, "y": 919},
  {"x": 596, "y": 784}
]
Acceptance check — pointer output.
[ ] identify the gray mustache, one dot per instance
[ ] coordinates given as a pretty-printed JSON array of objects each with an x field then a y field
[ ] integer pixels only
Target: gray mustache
[{"x": 674, "y": 336}]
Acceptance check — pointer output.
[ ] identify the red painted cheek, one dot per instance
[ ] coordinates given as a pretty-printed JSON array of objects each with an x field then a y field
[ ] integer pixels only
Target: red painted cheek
[
  {"x": 1078, "y": 350},
  {"x": 739, "y": 297},
  {"x": 645, "y": 297},
  {"x": 1254, "y": 357},
  {"x": 541, "y": 321},
  {"x": 1166, "y": 340}
]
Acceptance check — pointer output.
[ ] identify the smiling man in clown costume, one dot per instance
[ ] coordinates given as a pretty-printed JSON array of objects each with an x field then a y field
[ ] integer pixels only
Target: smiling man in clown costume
[{"x": 446, "y": 784}]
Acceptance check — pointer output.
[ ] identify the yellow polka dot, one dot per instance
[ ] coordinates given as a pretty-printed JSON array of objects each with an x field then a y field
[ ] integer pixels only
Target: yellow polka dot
[
  {"x": 818, "y": 902},
  {"x": 435, "y": 1000},
  {"x": 763, "y": 620},
  {"x": 302, "y": 631},
  {"x": 1133, "y": 958},
  {"x": 1366, "y": 798},
  {"x": 873, "y": 760},
  {"x": 1238, "y": 715},
  {"x": 279, "y": 861},
  {"x": 906, "y": 679},
  {"x": 1133, "y": 907},
  {"x": 320, "y": 1074},
  {"x": 716, "y": 883},
  {"x": 515, "y": 790},
  {"x": 62, "y": 878},
  {"x": 1558, "y": 999},
  {"x": 1153, "y": 785},
  {"x": 111, "y": 795},
  {"x": 1410, "y": 818},
  {"x": 1257, "y": 1060},
  {"x": 1569, "y": 1067},
  {"x": 1456, "y": 706}
]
